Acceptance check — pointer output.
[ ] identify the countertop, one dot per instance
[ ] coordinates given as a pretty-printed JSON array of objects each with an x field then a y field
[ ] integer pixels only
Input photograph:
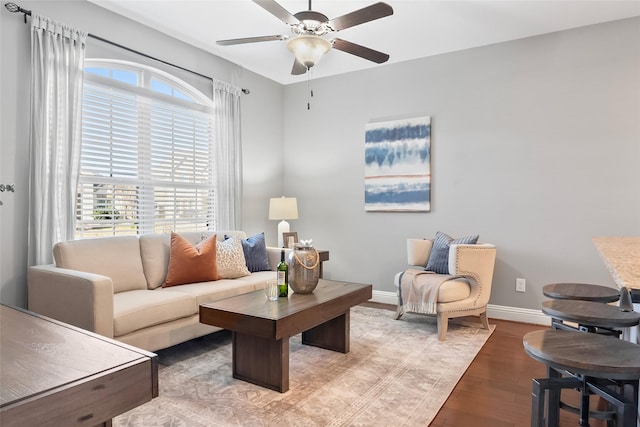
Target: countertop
[{"x": 621, "y": 255}]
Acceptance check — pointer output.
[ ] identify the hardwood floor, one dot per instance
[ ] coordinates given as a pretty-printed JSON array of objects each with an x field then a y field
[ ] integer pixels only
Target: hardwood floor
[{"x": 496, "y": 389}]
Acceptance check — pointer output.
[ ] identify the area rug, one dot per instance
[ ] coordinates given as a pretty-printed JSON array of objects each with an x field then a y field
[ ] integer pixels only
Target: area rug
[{"x": 397, "y": 373}]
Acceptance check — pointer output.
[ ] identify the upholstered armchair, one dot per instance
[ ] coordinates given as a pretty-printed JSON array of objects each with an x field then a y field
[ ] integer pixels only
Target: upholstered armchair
[{"x": 463, "y": 291}]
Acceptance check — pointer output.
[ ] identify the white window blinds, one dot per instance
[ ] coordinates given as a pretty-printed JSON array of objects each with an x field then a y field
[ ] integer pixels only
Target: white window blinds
[{"x": 147, "y": 162}]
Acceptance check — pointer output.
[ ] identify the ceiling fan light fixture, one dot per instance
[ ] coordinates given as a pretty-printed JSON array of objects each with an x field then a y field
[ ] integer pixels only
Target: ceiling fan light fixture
[{"x": 308, "y": 49}]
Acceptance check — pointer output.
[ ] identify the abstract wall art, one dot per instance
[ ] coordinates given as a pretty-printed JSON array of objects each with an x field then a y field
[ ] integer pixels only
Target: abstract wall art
[{"x": 398, "y": 165}]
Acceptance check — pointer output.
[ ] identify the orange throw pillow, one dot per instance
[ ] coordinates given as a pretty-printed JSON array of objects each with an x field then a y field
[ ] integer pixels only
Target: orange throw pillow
[{"x": 191, "y": 264}]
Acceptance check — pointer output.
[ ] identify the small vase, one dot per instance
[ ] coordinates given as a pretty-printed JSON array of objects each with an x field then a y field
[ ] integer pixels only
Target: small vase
[{"x": 304, "y": 268}]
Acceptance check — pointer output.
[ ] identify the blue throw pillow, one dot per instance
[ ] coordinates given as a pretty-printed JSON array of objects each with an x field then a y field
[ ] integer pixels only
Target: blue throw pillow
[
  {"x": 255, "y": 253},
  {"x": 439, "y": 256}
]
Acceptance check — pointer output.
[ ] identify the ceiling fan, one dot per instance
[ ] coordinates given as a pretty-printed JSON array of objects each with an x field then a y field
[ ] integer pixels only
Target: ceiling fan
[{"x": 308, "y": 28}]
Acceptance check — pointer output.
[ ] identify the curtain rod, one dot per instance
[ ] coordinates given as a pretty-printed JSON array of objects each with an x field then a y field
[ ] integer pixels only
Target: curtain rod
[{"x": 14, "y": 8}]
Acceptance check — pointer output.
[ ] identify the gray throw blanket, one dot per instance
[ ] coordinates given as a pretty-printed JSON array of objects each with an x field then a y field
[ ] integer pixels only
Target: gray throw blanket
[{"x": 420, "y": 296}]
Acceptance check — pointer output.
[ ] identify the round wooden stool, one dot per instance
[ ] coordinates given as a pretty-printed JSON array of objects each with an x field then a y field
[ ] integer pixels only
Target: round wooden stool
[
  {"x": 592, "y": 363},
  {"x": 581, "y": 291},
  {"x": 590, "y": 316}
]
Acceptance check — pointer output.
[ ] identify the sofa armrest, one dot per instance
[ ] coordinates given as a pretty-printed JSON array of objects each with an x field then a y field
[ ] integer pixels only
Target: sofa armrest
[
  {"x": 475, "y": 262},
  {"x": 75, "y": 297},
  {"x": 274, "y": 256},
  {"x": 418, "y": 251}
]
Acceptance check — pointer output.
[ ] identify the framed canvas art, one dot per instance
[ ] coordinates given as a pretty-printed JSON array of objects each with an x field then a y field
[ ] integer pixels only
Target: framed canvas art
[{"x": 398, "y": 165}]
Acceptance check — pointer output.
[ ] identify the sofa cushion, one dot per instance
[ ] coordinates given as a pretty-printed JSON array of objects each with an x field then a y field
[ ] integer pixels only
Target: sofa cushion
[
  {"x": 260, "y": 278},
  {"x": 206, "y": 292},
  {"x": 230, "y": 259},
  {"x": 439, "y": 256},
  {"x": 255, "y": 253},
  {"x": 115, "y": 257},
  {"x": 139, "y": 309},
  {"x": 191, "y": 264},
  {"x": 155, "y": 249},
  {"x": 454, "y": 290}
]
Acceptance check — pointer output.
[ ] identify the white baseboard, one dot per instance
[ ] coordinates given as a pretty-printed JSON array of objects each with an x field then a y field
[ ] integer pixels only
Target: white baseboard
[
  {"x": 516, "y": 314},
  {"x": 384, "y": 297},
  {"x": 502, "y": 312}
]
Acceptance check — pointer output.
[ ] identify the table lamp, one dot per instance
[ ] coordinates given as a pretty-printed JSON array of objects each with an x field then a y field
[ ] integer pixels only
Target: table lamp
[{"x": 283, "y": 208}]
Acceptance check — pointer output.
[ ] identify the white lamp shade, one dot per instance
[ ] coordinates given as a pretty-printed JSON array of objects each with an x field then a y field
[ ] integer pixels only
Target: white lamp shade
[
  {"x": 308, "y": 49},
  {"x": 283, "y": 208}
]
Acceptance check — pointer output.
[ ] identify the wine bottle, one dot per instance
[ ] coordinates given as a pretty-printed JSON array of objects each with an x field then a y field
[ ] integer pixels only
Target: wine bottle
[{"x": 283, "y": 277}]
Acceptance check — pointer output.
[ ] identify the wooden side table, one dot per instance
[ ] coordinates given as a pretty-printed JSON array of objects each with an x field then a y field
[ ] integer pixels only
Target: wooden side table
[
  {"x": 595, "y": 364},
  {"x": 54, "y": 374},
  {"x": 581, "y": 291},
  {"x": 324, "y": 256}
]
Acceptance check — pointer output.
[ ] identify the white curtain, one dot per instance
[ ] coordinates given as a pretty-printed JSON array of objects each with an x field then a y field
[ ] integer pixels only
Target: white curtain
[
  {"x": 226, "y": 104},
  {"x": 57, "y": 61}
]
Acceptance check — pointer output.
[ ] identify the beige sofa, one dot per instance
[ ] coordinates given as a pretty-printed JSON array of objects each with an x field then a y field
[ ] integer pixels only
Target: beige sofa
[{"x": 113, "y": 286}]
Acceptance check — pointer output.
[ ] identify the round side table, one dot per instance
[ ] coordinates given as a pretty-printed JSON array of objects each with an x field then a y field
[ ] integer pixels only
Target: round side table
[
  {"x": 581, "y": 291},
  {"x": 593, "y": 363},
  {"x": 590, "y": 316}
]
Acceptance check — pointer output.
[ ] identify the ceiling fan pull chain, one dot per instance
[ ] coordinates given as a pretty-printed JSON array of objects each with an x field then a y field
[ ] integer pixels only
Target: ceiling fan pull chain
[{"x": 309, "y": 91}]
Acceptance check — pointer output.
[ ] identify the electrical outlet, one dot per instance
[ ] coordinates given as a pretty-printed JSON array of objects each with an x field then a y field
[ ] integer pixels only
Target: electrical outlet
[{"x": 521, "y": 285}]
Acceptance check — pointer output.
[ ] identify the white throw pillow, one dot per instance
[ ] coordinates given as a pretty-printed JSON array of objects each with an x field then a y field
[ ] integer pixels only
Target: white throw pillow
[{"x": 230, "y": 259}]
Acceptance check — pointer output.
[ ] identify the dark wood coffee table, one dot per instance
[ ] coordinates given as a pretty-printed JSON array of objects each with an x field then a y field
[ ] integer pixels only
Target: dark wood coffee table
[{"x": 261, "y": 329}]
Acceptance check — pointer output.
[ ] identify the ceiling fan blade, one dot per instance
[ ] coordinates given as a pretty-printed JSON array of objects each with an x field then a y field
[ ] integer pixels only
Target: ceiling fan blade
[
  {"x": 298, "y": 68},
  {"x": 278, "y": 11},
  {"x": 361, "y": 51},
  {"x": 360, "y": 16},
  {"x": 250, "y": 40}
]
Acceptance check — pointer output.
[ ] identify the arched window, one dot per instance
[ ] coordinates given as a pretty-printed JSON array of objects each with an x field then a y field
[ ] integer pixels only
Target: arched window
[{"x": 147, "y": 162}]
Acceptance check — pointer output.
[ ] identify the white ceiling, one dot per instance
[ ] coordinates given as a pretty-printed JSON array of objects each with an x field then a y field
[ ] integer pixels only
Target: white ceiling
[{"x": 418, "y": 28}]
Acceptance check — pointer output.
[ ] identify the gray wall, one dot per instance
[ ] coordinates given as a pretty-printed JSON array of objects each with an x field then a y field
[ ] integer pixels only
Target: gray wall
[
  {"x": 535, "y": 146},
  {"x": 262, "y": 116}
]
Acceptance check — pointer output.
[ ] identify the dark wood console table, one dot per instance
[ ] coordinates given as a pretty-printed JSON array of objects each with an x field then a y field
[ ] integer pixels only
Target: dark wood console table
[
  {"x": 54, "y": 374},
  {"x": 324, "y": 256}
]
